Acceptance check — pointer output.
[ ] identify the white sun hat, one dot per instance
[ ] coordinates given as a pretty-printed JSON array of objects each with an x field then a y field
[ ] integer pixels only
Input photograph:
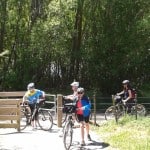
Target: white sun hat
[{"x": 75, "y": 84}]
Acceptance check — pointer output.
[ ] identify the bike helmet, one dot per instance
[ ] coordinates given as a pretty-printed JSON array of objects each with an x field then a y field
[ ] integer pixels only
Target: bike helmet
[
  {"x": 125, "y": 82},
  {"x": 75, "y": 84},
  {"x": 30, "y": 86},
  {"x": 80, "y": 89}
]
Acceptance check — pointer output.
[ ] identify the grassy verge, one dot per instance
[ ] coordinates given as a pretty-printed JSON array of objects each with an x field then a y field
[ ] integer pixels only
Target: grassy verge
[{"x": 128, "y": 134}]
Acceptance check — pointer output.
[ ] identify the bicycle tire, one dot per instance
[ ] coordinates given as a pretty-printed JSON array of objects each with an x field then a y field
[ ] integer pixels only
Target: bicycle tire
[
  {"x": 54, "y": 115},
  {"x": 45, "y": 120},
  {"x": 65, "y": 123},
  {"x": 23, "y": 120},
  {"x": 64, "y": 117},
  {"x": 67, "y": 136},
  {"x": 110, "y": 113},
  {"x": 114, "y": 112},
  {"x": 139, "y": 109}
]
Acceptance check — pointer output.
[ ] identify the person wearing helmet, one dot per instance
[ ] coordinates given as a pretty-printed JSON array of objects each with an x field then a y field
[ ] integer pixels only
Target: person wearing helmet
[
  {"x": 71, "y": 99},
  {"x": 83, "y": 110},
  {"x": 127, "y": 95},
  {"x": 73, "y": 96},
  {"x": 32, "y": 96}
]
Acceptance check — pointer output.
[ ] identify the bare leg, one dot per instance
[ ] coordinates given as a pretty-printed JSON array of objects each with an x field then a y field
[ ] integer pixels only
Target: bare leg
[
  {"x": 87, "y": 131},
  {"x": 87, "y": 128},
  {"x": 28, "y": 110},
  {"x": 82, "y": 130},
  {"x": 32, "y": 123}
]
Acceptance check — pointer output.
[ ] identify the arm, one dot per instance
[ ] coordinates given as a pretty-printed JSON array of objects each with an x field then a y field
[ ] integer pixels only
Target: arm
[
  {"x": 86, "y": 104},
  {"x": 43, "y": 94},
  {"x": 25, "y": 99},
  {"x": 41, "y": 97},
  {"x": 87, "y": 107},
  {"x": 71, "y": 96},
  {"x": 120, "y": 93}
]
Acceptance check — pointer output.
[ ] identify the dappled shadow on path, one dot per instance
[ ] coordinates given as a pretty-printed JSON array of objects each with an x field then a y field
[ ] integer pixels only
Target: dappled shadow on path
[
  {"x": 92, "y": 145},
  {"x": 26, "y": 131}
]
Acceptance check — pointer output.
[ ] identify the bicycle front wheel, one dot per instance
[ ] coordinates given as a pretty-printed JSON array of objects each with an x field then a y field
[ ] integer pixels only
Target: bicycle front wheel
[
  {"x": 68, "y": 134},
  {"x": 45, "y": 120},
  {"x": 23, "y": 120},
  {"x": 110, "y": 113}
]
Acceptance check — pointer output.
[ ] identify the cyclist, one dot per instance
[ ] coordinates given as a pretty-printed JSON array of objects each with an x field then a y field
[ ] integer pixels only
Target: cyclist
[
  {"x": 83, "y": 112},
  {"x": 32, "y": 96},
  {"x": 71, "y": 99},
  {"x": 73, "y": 96},
  {"x": 127, "y": 94}
]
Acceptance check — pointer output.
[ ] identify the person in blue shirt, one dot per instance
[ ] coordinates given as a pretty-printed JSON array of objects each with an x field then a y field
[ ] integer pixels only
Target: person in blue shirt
[
  {"x": 32, "y": 96},
  {"x": 83, "y": 111}
]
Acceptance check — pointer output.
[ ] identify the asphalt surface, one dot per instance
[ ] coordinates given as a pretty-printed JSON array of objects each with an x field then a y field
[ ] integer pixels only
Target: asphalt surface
[{"x": 38, "y": 139}]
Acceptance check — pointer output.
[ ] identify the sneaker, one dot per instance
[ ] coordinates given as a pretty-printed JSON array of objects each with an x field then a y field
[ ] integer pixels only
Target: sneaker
[
  {"x": 82, "y": 143},
  {"x": 89, "y": 137}
]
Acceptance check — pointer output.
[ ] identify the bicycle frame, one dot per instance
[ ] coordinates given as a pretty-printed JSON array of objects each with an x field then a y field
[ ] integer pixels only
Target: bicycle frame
[
  {"x": 68, "y": 132},
  {"x": 43, "y": 116}
]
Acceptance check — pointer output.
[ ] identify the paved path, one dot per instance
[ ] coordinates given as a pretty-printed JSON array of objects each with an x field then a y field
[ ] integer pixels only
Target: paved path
[{"x": 37, "y": 139}]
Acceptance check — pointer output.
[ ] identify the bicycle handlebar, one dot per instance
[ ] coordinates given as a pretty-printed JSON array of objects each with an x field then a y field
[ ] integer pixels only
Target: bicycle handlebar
[{"x": 37, "y": 102}]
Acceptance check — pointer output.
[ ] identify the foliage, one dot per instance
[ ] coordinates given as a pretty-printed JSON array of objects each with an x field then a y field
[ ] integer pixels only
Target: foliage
[{"x": 98, "y": 43}]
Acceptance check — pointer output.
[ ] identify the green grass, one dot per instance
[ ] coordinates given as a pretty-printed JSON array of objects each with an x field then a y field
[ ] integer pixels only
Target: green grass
[{"x": 128, "y": 134}]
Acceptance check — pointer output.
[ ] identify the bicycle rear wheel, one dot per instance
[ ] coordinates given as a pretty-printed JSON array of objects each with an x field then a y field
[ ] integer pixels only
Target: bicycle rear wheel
[
  {"x": 54, "y": 115},
  {"x": 23, "y": 120},
  {"x": 68, "y": 134},
  {"x": 139, "y": 109},
  {"x": 45, "y": 120}
]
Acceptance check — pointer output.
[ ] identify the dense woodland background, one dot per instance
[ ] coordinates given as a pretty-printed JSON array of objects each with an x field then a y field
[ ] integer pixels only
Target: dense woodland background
[{"x": 52, "y": 42}]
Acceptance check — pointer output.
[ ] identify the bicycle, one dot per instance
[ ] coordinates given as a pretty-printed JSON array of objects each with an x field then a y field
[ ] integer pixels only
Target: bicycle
[
  {"x": 65, "y": 110},
  {"x": 68, "y": 127},
  {"x": 120, "y": 109},
  {"x": 44, "y": 118}
]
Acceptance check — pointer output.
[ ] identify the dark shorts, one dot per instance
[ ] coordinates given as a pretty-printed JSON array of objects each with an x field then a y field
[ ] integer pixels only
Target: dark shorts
[
  {"x": 82, "y": 118},
  {"x": 32, "y": 106}
]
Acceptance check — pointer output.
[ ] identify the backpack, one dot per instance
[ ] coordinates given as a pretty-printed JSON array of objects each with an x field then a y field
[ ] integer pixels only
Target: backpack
[{"x": 134, "y": 93}]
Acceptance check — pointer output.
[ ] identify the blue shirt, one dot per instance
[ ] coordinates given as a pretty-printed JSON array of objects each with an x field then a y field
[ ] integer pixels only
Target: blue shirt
[
  {"x": 33, "y": 96},
  {"x": 84, "y": 102}
]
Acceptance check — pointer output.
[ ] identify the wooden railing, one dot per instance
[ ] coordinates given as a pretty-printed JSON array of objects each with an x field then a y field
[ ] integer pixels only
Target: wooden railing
[
  {"x": 10, "y": 109},
  {"x": 10, "y": 113}
]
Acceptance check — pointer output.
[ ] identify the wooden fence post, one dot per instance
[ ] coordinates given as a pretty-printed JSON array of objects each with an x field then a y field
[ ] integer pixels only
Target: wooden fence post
[
  {"x": 94, "y": 99},
  {"x": 136, "y": 106},
  {"x": 59, "y": 110},
  {"x": 19, "y": 114}
]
